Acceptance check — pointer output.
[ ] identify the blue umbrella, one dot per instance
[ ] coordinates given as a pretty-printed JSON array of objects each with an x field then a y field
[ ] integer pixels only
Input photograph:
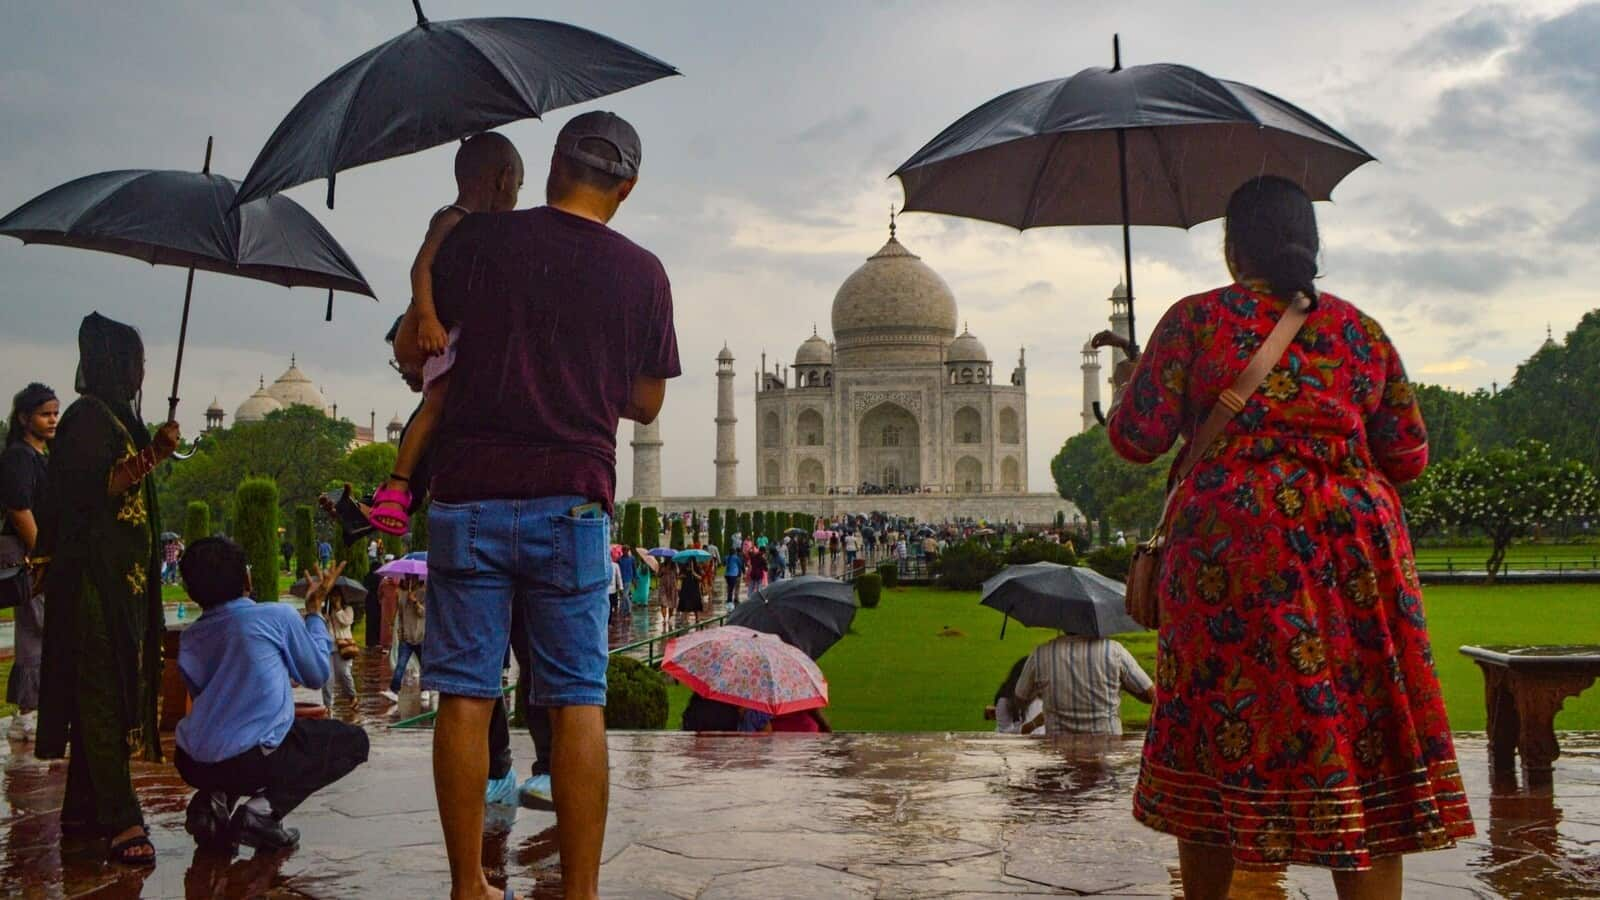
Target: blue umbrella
[
  {"x": 691, "y": 556},
  {"x": 663, "y": 553},
  {"x": 438, "y": 83}
]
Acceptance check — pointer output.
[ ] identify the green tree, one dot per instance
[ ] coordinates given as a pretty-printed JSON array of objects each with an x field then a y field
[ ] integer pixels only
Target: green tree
[
  {"x": 745, "y": 524},
  {"x": 305, "y": 539},
  {"x": 677, "y": 541},
  {"x": 714, "y": 529},
  {"x": 785, "y": 521},
  {"x": 354, "y": 556},
  {"x": 650, "y": 528},
  {"x": 196, "y": 522},
  {"x": 419, "y": 529},
  {"x": 255, "y": 527},
  {"x": 1505, "y": 493},
  {"x": 730, "y": 524},
  {"x": 631, "y": 524},
  {"x": 365, "y": 468},
  {"x": 299, "y": 449},
  {"x": 1107, "y": 488}
]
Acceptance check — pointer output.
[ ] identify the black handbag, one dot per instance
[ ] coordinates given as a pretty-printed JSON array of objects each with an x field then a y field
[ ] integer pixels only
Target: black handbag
[{"x": 14, "y": 583}]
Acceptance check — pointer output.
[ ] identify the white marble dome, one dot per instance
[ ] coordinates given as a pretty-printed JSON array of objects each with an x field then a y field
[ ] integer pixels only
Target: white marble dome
[
  {"x": 293, "y": 388},
  {"x": 814, "y": 351},
  {"x": 256, "y": 406},
  {"x": 967, "y": 348},
  {"x": 893, "y": 299}
]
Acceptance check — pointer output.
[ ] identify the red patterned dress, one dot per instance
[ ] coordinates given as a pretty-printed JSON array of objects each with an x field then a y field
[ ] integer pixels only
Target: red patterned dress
[{"x": 1298, "y": 718}]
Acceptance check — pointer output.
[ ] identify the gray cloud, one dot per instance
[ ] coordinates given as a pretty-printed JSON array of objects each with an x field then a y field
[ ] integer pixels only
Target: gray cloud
[
  {"x": 833, "y": 127},
  {"x": 1466, "y": 38}
]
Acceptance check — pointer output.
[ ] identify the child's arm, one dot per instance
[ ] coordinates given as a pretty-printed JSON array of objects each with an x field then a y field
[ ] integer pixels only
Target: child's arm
[{"x": 431, "y": 336}]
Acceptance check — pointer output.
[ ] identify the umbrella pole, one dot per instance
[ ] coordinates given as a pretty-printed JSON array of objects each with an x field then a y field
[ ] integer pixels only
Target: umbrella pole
[
  {"x": 183, "y": 334},
  {"x": 1122, "y": 176}
]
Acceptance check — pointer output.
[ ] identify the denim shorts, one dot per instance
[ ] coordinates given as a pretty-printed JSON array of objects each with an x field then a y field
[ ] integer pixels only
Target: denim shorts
[{"x": 484, "y": 557}]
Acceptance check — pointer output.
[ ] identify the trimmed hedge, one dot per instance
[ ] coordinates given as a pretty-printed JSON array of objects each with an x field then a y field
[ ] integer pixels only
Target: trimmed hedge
[
  {"x": 419, "y": 528},
  {"x": 631, "y": 524},
  {"x": 1035, "y": 550},
  {"x": 890, "y": 573},
  {"x": 965, "y": 566},
  {"x": 196, "y": 522},
  {"x": 1112, "y": 562},
  {"x": 744, "y": 526},
  {"x": 650, "y": 529},
  {"x": 677, "y": 541},
  {"x": 869, "y": 588},
  {"x": 636, "y": 695},
  {"x": 255, "y": 527},
  {"x": 305, "y": 539},
  {"x": 714, "y": 529}
]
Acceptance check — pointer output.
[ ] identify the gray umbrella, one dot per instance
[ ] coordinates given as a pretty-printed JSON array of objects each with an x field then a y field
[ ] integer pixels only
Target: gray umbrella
[
  {"x": 440, "y": 82},
  {"x": 353, "y": 591},
  {"x": 1072, "y": 599},
  {"x": 809, "y": 612},
  {"x": 184, "y": 219},
  {"x": 1146, "y": 145}
]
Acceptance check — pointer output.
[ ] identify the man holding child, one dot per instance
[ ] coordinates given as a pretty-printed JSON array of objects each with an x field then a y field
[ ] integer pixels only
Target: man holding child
[{"x": 564, "y": 327}]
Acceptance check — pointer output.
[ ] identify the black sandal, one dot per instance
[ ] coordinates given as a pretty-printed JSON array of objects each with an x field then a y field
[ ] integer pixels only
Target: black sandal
[{"x": 120, "y": 852}]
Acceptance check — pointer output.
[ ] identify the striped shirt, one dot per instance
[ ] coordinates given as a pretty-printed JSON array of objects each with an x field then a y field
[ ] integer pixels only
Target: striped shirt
[{"x": 1081, "y": 682}]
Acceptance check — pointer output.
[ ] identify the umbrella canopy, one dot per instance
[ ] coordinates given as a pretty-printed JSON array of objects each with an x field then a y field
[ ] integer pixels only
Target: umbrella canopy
[
  {"x": 417, "y": 554},
  {"x": 746, "y": 668},
  {"x": 184, "y": 219},
  {"x": 169, "y": 535},
  {"x": 821, "y": 535},
  {"x": 810, "y": 612},
  {"x": 1145, "y": 145},
  {"x": 437, "y": 83},
  {"x": 663, "y": 552},
  {"x": 648, "y": 560},
  {"x": 1047, "y": 595},
  {"x": 405, "y": 566},
  {"x": 354, "y": 593},
  {"x": 795, "y": 531},
  {"x": 691, "y": 556}
]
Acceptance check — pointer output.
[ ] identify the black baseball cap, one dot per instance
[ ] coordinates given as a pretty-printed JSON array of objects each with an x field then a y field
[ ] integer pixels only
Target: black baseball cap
[{"x": 602, "y": 126}]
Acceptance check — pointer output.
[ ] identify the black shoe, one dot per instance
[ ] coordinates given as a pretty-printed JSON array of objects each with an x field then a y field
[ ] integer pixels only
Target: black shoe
[
  {"x": 207, "y": 820},
  {"x": 254, "y": 830}
]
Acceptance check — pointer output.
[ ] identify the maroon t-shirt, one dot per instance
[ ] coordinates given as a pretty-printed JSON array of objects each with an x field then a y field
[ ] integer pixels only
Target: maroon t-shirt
[{"x": 557, "y": 315}]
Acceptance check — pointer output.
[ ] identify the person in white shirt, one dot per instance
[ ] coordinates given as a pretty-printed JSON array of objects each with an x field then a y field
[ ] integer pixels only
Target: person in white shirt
[{"x": 1081, "y": 680}]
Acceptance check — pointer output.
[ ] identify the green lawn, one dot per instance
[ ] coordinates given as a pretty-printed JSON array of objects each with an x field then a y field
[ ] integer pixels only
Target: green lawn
[{"x": 894, "y": 672}]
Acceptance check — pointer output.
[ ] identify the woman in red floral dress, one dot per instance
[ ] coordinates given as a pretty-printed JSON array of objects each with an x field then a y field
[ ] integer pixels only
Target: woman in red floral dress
[{"x": 1298, "y": 717}]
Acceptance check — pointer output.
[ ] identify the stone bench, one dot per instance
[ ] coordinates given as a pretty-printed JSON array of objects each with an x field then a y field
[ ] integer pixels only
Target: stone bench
[{"x": 1524, "y": 688}]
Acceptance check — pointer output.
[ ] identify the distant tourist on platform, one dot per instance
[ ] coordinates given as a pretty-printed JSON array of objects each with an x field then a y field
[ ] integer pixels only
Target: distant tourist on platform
[
  {"x": 101, "y": 667},
  {"x": 1299, "y": 718},
  {"x": 524, "y": 478},
  {"x": 24, "y": 497},
  {"x": 412, "y": 618},
  {"x": 690, "y": 599},
  {"x": 733, "y": 568},
  {"x": 341, "y": 619},
  {"x": 756, "y": 577},
  {"x": 241, "y": 739}
]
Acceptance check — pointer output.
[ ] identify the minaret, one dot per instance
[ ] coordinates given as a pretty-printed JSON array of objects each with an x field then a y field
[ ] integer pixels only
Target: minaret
[
  {"x": 1119, "y": 321},
  {"x": 647, "y": 462},
  {"x": 727, "y": 460},
  {"x": 1091, "y": 384}
]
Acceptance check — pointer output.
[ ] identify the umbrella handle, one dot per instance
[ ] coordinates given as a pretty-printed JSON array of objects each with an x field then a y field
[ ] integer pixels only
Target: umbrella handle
[
  {"x": 193, "y": 449},
  {"x": 183, "y": 334}
]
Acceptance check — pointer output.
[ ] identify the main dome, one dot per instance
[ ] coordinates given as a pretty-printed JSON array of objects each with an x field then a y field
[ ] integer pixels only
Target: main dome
[
  {"x": 893, "y": 300},
  {"x": 293, "y": 388}
]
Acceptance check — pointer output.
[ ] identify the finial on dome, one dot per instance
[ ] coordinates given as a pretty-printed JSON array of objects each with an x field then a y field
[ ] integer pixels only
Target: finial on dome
[
  {"x": 813, "y": 329},
  {"x": 261, "y": 382},
  {"x": 891, "y": 220},
  {"x": 291, "y": 360}
]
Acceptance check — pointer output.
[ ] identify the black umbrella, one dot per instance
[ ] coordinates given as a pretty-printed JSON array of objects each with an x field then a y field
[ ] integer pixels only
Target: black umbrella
[
  {"x": 809, "y": 612},
  {"x": 1047, "y": 595},
  {"x": 1147, "y": 145},
  {"x": 187, "y": 219},
  {"x": 437, "y": 83},
  {"x": 354, "y": 591}
]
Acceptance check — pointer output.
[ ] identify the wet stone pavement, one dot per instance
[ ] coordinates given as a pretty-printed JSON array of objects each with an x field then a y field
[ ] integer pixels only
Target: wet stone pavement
[{"x": 789, "y": 816}]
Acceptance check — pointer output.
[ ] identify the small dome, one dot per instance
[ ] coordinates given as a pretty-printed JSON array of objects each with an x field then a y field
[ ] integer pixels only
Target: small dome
[
  {"x": 1089, "y": 347},
  {"x": 215, "y": 409},
  {"x": 256, "y": 406},
  {"x": 893, "y": 299},
  {"x": 725, "y": 355},
  {"x": 814, "y": 351},
  {"x": 395, "y": 424},
  {"x": 966, "y": 348},
  {"x": 1120, "y": 292},
  {"x": 293, "y": 388}
]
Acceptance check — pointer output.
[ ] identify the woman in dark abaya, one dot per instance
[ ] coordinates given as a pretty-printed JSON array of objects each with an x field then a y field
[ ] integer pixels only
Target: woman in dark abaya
[{"x": 103, "y": 620}]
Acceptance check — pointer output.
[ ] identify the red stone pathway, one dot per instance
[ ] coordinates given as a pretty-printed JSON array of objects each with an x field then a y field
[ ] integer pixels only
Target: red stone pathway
[{"x": 856, "y": 815}]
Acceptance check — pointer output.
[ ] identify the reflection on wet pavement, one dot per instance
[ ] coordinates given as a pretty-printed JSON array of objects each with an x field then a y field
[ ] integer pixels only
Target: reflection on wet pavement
[{"x": 788, "y": 816}]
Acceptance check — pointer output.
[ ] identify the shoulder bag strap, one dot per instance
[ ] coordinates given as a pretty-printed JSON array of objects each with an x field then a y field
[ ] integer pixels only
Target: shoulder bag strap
[{"x": 1232, "y": 400}]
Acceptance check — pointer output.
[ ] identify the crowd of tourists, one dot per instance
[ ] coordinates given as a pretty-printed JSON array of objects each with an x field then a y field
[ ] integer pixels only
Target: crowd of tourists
[{"x": 1295, "y": 718}]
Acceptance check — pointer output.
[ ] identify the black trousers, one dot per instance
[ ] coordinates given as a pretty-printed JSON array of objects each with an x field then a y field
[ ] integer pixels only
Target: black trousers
[
  {"x": 535, "y": 717},
  {"x": 314, "y": 754}
]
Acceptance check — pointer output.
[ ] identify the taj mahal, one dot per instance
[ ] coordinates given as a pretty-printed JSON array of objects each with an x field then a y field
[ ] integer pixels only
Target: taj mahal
[{"x": 898, "y": 413}]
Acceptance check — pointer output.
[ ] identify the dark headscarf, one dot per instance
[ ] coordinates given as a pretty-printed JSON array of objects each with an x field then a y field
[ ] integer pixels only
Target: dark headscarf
[
  {"x": 23, "y": 406},
  {"x": 109, "y": 353}
]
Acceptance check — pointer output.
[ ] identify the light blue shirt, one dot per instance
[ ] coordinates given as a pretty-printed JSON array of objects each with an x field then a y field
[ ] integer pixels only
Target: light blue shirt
[{"x": 237, "y": 660}]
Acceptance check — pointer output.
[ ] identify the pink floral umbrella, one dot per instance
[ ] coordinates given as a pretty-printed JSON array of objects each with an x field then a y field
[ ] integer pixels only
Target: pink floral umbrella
[{"x": 746, "y": 668}]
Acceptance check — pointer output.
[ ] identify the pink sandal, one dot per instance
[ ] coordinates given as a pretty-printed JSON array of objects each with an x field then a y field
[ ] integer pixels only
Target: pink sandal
[{"x": 389, "y": 510}]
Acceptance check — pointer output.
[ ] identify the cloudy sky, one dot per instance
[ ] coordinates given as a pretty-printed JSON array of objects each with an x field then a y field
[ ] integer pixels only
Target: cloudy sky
[{"x": 765, "y": 184}]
